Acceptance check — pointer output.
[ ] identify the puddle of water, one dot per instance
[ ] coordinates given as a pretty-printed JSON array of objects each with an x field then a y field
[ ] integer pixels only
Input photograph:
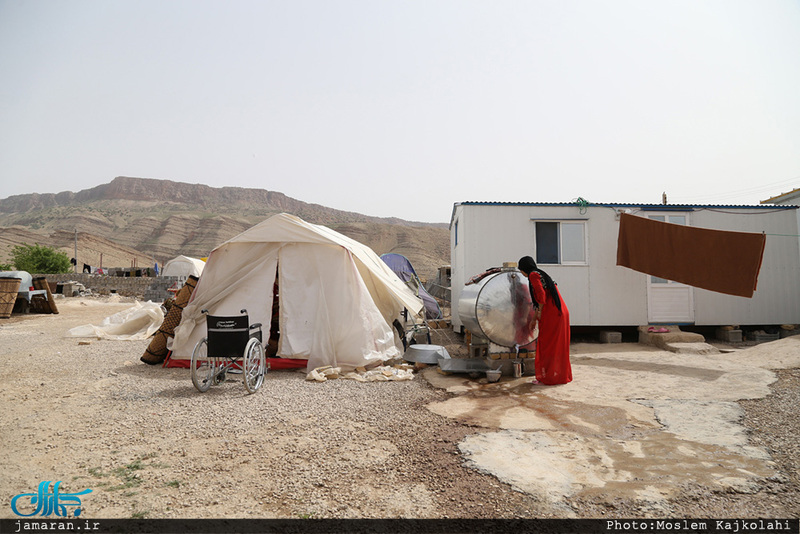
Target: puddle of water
[
  {"x": 596, "y": 450},
  {"x": 523, "y": 406},
  {"x": 653, "y": 367}
]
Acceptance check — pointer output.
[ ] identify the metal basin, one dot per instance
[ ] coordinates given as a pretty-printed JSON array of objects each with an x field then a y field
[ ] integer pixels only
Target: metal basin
[
  {"x": 430, "y": 354},
  {"x": 463, "y": 365}
]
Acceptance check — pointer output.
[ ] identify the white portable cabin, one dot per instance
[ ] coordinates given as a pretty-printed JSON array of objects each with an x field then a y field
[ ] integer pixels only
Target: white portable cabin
[{"x": 577, "y": 246}]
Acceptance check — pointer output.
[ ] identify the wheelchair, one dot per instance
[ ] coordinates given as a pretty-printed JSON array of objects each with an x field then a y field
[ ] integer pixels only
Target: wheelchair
[{"x": 232, "y": 345}]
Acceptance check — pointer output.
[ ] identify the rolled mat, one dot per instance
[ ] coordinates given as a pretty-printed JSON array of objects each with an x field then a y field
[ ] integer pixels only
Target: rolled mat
[
  {"x": 40, "y": 282},
  {"x": 9, "y": 289},
  {"x": 157, "y": 350}
]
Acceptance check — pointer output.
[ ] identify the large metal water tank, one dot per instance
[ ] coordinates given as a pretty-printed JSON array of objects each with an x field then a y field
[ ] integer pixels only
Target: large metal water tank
[{"x": 498, "y": 308}]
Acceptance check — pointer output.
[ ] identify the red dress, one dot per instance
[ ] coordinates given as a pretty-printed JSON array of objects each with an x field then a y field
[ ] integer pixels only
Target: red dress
[{"x": 552, "y": 350}]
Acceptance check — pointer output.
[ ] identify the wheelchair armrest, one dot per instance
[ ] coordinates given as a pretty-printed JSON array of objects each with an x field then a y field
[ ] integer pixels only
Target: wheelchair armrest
[{"x": 255, "y": 331}]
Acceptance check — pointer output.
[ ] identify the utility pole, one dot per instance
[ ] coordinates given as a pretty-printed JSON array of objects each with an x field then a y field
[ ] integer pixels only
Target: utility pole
[{"x": 76, "y": 251}]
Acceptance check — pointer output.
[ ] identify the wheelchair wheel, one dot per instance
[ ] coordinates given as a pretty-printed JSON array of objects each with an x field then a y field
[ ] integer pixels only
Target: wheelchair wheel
[
  {"x": 204, "y": 369},
  {"x": 255, "y": 365}
]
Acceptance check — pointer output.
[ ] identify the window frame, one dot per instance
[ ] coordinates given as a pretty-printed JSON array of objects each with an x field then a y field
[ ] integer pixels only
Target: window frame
[{"x": 583, "y": 223}]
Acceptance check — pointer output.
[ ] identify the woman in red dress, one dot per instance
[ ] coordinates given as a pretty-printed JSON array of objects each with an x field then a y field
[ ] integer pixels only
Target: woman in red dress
[{"x": 552, "y": 347}]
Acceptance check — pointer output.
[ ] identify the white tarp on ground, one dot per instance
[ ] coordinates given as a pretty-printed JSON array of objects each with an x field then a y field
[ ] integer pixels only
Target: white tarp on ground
[
  {"x": 337, "y": 297},
  {"x": 183, "y": 266},
  {"x": 140, "y": 321}
]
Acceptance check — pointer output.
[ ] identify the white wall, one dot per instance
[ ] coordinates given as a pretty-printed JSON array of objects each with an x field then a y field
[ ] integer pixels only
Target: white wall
[
  {"x": 604, "y": 294},
  {"x": 777, "y": 296},
  {"x": 596, "y": 293}
]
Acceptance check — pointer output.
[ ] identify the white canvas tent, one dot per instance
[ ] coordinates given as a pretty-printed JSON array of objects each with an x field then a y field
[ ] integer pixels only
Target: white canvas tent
[
  {"x": 183, "y": 266},
  {"x": 337, "y": 297}
]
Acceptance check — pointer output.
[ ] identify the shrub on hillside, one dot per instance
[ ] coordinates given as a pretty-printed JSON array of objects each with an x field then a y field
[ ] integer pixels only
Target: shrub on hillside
[{"x": 40, "y": 259}]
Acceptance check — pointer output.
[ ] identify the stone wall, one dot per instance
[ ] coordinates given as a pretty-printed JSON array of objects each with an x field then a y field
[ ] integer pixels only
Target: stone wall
[{"x": 142, "y": 287}]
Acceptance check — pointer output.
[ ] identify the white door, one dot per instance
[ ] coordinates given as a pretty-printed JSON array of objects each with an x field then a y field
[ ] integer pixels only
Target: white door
[{"x": 667, "y": 301}]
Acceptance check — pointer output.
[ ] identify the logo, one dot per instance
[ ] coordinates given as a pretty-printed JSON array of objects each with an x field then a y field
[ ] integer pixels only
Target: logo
[{"x": 47, "y": 503}]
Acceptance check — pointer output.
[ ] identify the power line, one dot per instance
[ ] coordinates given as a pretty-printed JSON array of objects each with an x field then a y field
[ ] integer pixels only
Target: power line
[{"x": 770, "y": 190}]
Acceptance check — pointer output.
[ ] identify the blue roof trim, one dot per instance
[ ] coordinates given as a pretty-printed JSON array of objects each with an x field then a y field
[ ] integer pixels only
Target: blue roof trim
[
  {"x": 631, "y": 205},
  {"x": 643, "y": 207}
]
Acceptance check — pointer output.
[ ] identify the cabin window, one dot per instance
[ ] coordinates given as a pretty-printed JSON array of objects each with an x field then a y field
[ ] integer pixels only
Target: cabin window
[{"x": 561, "y": 242}]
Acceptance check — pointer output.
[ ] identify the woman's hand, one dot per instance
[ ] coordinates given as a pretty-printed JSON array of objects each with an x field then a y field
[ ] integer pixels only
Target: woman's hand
[{"x": 534, "y": 317}]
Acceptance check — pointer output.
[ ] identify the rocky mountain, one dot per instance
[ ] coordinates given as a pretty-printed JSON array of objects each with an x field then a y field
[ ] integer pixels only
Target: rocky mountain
[{"x": 136, "y": 220}]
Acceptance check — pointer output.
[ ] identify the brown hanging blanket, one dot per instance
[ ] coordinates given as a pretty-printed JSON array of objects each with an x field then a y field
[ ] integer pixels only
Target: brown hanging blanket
[{"x": 717, "y": 260}]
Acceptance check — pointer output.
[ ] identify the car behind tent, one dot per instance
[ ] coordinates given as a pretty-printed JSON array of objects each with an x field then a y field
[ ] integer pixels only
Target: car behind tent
[{"x": 337, "y": 297}]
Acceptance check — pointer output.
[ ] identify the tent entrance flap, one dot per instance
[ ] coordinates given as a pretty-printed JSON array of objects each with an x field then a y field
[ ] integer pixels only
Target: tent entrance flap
[{"x": 327, "y": 314}]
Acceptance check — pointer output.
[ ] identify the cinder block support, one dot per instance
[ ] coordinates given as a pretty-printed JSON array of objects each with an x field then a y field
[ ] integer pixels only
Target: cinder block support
[
  {"x": 729, "y": 335},
  {"x": 607, "y": 336}
]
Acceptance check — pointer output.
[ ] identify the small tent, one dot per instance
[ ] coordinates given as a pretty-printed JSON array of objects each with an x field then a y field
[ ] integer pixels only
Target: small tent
[
  {"x": 337, "y": 298},
  {"x": 183, "y": 266},
  {"x": 405, "y": 271}
]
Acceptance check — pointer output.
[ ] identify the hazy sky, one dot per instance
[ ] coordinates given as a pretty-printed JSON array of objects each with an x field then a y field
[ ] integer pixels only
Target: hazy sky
[{"x": 403, "y": 107}]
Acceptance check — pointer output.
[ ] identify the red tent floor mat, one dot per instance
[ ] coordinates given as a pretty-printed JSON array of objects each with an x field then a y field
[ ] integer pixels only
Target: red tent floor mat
[
  {"x": 286, "y": 363},
  {"x": 273, "y": 363}
]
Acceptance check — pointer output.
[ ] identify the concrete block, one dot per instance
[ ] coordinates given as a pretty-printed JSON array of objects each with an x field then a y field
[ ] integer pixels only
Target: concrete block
[
  {"x": 607, "y": 336},
  {"x": 789, "y": 332},
  {"x": 478, "y": 351},
  {"x": 761, "y": 337},
  {"x": 729, "y": 336}
]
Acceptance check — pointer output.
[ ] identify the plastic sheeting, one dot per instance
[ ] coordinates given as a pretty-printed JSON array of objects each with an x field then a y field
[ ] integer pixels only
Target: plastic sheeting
[
  {"x": 140, "y": 321},
  {"x": 383, "y": 373}
]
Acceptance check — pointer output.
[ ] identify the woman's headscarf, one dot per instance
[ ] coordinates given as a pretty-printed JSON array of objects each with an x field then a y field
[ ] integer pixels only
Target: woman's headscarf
[{"x": 527, "y": 266}]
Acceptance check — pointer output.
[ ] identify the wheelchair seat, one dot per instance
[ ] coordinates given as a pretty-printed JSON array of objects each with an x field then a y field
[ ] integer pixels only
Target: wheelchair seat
[
  {"x": 227, "y": 336},
  {"x": 232, "y": 345}
]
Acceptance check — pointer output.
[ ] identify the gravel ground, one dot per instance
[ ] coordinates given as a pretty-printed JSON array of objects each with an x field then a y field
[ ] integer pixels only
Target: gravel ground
[{"x": 149, "y": 445}]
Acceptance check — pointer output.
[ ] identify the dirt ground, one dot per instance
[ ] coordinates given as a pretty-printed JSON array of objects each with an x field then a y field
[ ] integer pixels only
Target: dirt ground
[{"x": 624, "y": 435}]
